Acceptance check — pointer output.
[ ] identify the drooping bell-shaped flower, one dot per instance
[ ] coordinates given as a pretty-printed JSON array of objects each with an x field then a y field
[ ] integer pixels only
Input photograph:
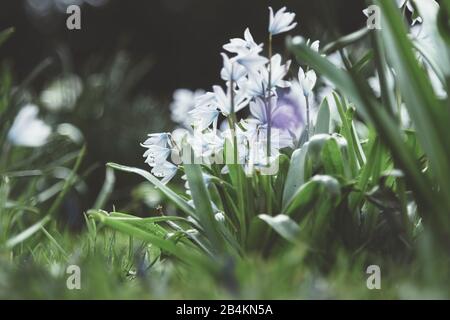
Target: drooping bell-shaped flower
[
  {"x": 281, "y": 22},
  {"x": 158, "y": 150}
]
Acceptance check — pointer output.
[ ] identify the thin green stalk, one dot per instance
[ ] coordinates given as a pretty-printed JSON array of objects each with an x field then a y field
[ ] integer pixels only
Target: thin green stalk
[{"x": 269, "y": 126}]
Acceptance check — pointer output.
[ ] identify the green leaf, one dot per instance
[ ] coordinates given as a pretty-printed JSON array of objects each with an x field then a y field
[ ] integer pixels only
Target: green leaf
[
  {"x": 323, "y": 118},
  {"x": 430, "y": 117},
  {"x": 202, "y": 202},
  {"x": 283, "y": 225},
  {"x": 333, "y": 160},
  {"x": 5, "y": 34},
  {"x": 311, "y": 192},
  {"x": 358, "y": 91},
  {"x": 345, "y": 41},
  {"x": 175, "y": 198},
  {"x": 146, "y": 234},
  {"x": 296, "y": 174}
]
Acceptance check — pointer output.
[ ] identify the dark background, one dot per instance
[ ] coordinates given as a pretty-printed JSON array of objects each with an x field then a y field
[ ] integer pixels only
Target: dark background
[{"x": 183, "y": 37}]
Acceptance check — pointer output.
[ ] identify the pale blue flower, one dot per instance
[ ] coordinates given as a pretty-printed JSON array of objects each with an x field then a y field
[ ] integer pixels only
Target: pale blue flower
[
  {"x": 160, "y": 139},
  {"x": 184, "y": 100},
  {"x": 223, "y": 100},
  {"x": 202, "y": 117},
  {"x": 279, "y": 71},
  {"x": 242, "y": 46},
  {"x": 232, "y": 71},
  {"x": 281, "y": 22},
  {"x": 252, "y": 60},
  {"x": 165, "y": 170},
  {"x": 307, "y": 81}
]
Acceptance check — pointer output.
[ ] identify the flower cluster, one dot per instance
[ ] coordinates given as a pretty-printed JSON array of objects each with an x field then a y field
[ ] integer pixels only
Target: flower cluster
[{"x": 211, "y": 120}]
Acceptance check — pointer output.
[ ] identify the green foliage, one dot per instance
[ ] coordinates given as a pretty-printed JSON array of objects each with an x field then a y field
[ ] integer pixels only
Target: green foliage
[{"x": 339, "y": 202}]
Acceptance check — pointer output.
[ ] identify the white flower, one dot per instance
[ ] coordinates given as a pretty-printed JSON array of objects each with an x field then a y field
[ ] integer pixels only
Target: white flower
[
  {"x": 156, "y": 154},
  {"x": 252, "y": 60},
  {"x": 157, "y": 148},
  {"x": 206, "y": 144},
  {"x": 258, "y": 109},
  {"x": 203, "y": 116},
  {"x": 223, "y": 100},
  {"x": 27, "y": 130},
  {"x": 242, "y": 46},
  {"x": 160, "y": 139},
  {"x": 232, "y": 71},
  {"x": 307, "y": 81},
  {"x": 204, "y": 100},
  {"x": 165, "y": 170},
  {"x": 184, "y": 100},
  {"x": 278, "y": 72},
  {"x": 257, "y": 83},
  {"x": 254, "y": 85},
  {"x": 281, "y": 22}
]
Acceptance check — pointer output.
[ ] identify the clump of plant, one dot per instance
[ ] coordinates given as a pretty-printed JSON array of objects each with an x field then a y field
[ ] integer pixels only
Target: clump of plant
[{"x": 343, "y": 163}]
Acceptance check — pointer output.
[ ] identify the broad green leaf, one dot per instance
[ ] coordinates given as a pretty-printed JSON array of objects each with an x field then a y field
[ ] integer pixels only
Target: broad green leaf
[
  {"x": 366, "y": 104},
  {"x": 333, "y": 160},
  {"x": 202, "y": 202},
  {"x": 323, "y": 118},
  {"x": 296, "y": 174},
  {"x": 311, "y": 192},
  {"x": 430, "y": 117},
  {"x": 283, "y": 225}
]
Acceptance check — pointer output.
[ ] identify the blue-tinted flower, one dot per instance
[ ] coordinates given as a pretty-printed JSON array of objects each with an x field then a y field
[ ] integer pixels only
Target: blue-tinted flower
[
  {"x": 232, "y": 71},
  {"x": 223, "y": 100},
  {"x": 307, "y": 81},
  {"x": 158, "y": 149},
  {"x": 242, "y": 46},
  {"x": 184, "y": 100},
  {"x": 202, "y": 117},
  {"x": 286, "y": 112},
  {"x": 281, "y": 22},
  {"x": 252, "y": 60},
  {"x": 165, "y": 170},
  {"x": 279, "y": 71}
]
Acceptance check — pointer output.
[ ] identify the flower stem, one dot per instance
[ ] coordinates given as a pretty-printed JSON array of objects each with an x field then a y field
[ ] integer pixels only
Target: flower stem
[
  {"x": 268, "y": 104},
  {"x": 269, "y": 127},
  {"x": 233, "y": 121},
  {"x": 308, "y": 121}
]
